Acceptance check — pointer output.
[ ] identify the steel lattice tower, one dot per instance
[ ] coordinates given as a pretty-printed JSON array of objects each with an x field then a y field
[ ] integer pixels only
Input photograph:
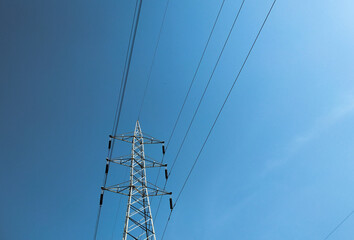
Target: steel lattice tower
[{"x": 138, "y": 220}]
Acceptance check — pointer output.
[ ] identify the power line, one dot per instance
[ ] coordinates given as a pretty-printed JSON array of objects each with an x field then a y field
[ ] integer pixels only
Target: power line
[
  {"x": 120, "y": 104},
  {"x": 151, "y": 67},
  {"x": 153, "y": 58},
  {"x": 340, "y": 224},
  {"x": 205, "y": 90},
  {"x": 186, "y": 97},
  {"x": 217, "y": 117},
  {"x": 207, "y": 86},
  {"x": 119, "y": 97},
  {"x": 128, "y": 68},
  {"x": 195, "y": 73},
  {"x": 124, "y": 70}
]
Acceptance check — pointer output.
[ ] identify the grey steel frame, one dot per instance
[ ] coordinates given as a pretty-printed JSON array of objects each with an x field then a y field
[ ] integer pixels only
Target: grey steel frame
[{"x": 138, "y": 189}]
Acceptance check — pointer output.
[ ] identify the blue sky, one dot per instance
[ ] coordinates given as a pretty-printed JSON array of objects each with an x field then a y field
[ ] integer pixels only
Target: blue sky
[{"x": 278, "y": 165}]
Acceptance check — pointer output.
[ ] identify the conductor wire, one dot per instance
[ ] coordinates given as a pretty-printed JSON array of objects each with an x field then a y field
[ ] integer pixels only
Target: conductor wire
[
  {"x": 153, "y": 58},
  {"x": 217, "y": 117}
]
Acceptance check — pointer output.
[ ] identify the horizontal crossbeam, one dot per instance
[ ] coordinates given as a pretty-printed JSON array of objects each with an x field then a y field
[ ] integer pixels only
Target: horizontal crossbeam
[
  {"x": 125, "y": 161},
  {"x": 130, "y": 139},
  {"x": 125, "y": 188}
]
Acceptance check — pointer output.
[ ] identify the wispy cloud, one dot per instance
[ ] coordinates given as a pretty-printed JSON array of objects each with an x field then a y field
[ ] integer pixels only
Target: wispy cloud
[{"x": 337, "y": 113}]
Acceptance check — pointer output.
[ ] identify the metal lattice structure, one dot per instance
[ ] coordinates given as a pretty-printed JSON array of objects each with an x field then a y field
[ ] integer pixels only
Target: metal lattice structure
[{"x": 138, "y": 220}]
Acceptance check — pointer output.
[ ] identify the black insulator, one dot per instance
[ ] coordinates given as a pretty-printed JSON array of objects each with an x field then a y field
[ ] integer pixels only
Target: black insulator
[
  {"x": 109, "y": 144},
  {"x": 171, "y": 205},
  {"x": 101, "y": 199},
  {"x": 163, "y": 149},
  {"x": 107, "y": 167},
  {"x": 166, "y": 174}
]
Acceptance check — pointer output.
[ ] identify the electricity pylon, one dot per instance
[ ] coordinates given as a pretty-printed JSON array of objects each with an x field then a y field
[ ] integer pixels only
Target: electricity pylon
[{"x": 138, "y": 219}]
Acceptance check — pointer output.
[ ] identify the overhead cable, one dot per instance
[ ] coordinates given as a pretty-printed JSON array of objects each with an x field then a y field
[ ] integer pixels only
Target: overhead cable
[
  {"x": 217, "y": 117},
  {"x": 202, "y": 97},
  {"x": 153, "y": 59},
  {"x": 186, "y": 97},
  {"x": 120, "y": 103},
  {"x": 340, "y": 224}
]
